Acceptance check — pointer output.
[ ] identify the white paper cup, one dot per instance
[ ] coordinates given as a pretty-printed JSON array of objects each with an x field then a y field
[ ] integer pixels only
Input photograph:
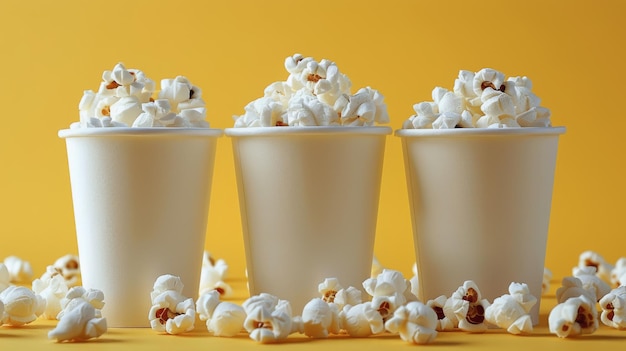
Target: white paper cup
[
  {"x": 141, "y": 202},
  {"x": 309, "y": 203},
  {"x": 480, "y": 204}
]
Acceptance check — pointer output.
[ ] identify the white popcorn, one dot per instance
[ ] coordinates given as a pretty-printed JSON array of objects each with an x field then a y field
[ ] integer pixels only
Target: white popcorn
[
  {"x": 20, "y": 270},
  {"x": 5, "y": 277},
  {"x": 361, "y": 320},
  {"x": 329, "y": 288},
  {"x": 306, "y": 110},
  {"x": 21, "y": 306},
  {"x": 222, "y": 318},
  {"x": 415, "y": 322},
  {"x": 269, "y": 319},
  {"x": 52, "y": 288},
  {"x": 594, "y": 259},
  {"x": 68, "y": 266},
  {"x": 364, "y": 108},
  {"x": 590, "y": 281},
  {"x": 212, "y": 276},
  {"x": 262, "y": 112},
  {"x": 613, "y": 307},
  {"x": 573, "y": 287},
  {"x": 387, "y": 291},
  {"x": 279, "y": 92},
  {"x": 171, "y": 312},
  {"x": 467, "y": 305},
  {"x": 618, "y": 272},
  {"x": 511, "y": 311},
  {"x": 545, "y": 284},
  {"x": 348, "y": 296},
  {"x": 94, "y": 297},
  {"x": 79, "y": 321},
  {"x": 575, "y": 316},
  {"x": 157, "y": 114},
  {"x": 444, "y": 323},
  {"x": 320, "y": 318}
]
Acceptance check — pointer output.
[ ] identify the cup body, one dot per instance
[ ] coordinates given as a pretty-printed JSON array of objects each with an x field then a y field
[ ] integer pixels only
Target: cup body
[
  {"x": 480, "y": 204},
  {"x": 309, "y": 204},
  {"x": 141, "y": 200}
]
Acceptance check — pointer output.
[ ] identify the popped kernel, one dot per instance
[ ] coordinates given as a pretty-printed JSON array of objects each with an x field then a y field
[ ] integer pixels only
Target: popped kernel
[
  {"x": 69, "y": 268},
  {"x": 52, "y": 288},
  {"x": 415, "y": 322},
  {"x": 171, "y": 312},
  {"x": 320, "y": 318},
  {"x": 5, "y": 277},
  {"x": 613, "y": 307},
  {"x": 212, "y": 276},
  {"x": 20, "y": 270},
  {"x": 348, "y": 296},
  {"x": 269, "y": 319},
  {"x": 444, "y": 323},
  {"x": 468, "y": 307},
  {"x": 511, "y": 311},
  {"x": 591, "y": 258},
  {"x": 592, "y": 282},
  {"x": 329, "y": 288},
  {"x": 94, "y": 297},
  {"x": 575, "y": 316},
  {"x": 573, "y": 287},
  {"x": 222, "y": 318},
  {"x": 21, "y": 306},
  {"x": 618, "y": 273},
  {"x": 79, "y": 321},
  {"x": 361, "y": 320}
]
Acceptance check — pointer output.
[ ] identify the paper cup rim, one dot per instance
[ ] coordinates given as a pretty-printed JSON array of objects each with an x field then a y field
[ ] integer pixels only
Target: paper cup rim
[
  {"x": 308, "y": 130},
  {"x": 408, "y": 133},
  {"x": 129, "y": 131}
]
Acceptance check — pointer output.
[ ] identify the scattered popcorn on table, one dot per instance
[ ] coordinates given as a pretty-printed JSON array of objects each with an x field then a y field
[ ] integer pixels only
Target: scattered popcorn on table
[
  {"x": 20, "y": 270},
  {"x": 171, "y": 312},
  {"x": 590, "y": 281},
  {"x": 320, "y": 318},
  {"x": 545, "y": 284},
  {"x": 21, "y": 306},
  {"x": 212, "y": 276},
  {"x": 5, "y": 277},
  {"x": 78, "y": 321},
  {"x": 388, "y": 291},
  {"x": 511, "y": 311},
  {"x": 222, "y": 318},
  {"x": 52, "y": 287},
  {"x": 269, "y": 319},
  {"x": 415, "y": 322},
  {"x": 468, "y": 307},
  {"x": 361, "y": 320},
  {"x": 443, "y": 322},
  {"x": 593, "y": 259},
  {"x": 94, "y": 297},
  {"x": 575, "y": 316},
  {"x": 613, "y": 307},
  {"x": 618, "y": 273},
  {"x": 573, "y": 287}
]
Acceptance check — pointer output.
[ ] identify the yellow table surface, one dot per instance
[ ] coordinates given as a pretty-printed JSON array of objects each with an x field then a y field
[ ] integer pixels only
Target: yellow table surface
[{"x": 34, "y": 337}]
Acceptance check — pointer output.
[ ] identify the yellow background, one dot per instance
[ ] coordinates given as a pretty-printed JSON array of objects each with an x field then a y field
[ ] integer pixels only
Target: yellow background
[{"x": 573, "y": 51}]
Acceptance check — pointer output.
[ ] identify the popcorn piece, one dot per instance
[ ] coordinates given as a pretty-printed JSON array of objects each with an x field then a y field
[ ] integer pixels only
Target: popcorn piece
[
  {"x": 387, "y": 291},
  {"x": 306, "y": 110},
  {"x": 348, "y": 296},
  {"x": 21, "y": 305},
  {"x": 613, "y": 307},
  {"x": 575, "y": 316},
  {"x": 618, "y": 273},
  {"x": 320, "y": 318},
  {"x": 573, "y": 287},
  {"x": 20, "y": 270},
  {"x": 171, "y": 312},
  {"x": 212, "y": 276},
  {"x": 594, "y": 259},
  {"x": 94, "y": 297},
  {"x": 545, "y": 284},
  {"x": 5, "y": 277},
  {"x": 263, "y": 112},
  {"x": 52, "y": 287},
  {"x": 444, "y": 323},
  {"x": 468, "y": 307},
  {"x": 511, "y": 311},
  {"x": 590, "y": 281},
  {"x": 329, "y": 288},
  {"x": 361, "y": 320},
  {"x": 68, "y": 267},
  {"x": 415, "y": 322},
  {"x": 80, "y": 321},
  {"x": 222, "y": 318},
  {"x": 269, "y": 319}
]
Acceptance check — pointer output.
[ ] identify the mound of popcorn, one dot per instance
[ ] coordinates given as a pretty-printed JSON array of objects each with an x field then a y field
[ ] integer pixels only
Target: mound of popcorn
[
  {"x": 125, "y": 99},
  {"x": 314, "y": 94},
  {"x": 483, "y": 99}
]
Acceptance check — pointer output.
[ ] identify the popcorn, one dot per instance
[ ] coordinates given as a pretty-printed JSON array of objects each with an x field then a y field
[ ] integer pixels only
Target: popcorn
[
  {"x": 67, "y": 266},
  {"x": 467, "y": 306},
  {"x": 613, "y": 307},
  {"x": 124, "y": 99},
  {"x": 269, "y": 319},
  {"x": 387, "y": 291},
  {"x": 575, "y": 316},
  {"x": 361, "y": 320},
  {"x": 5, "y": 277},
  {"x": 212, "y": 276},
  {"x": 594, "y": 259},
  {"x": 415, "y": 322},
  {"x": 94, "y": 297},
  {"x": 20, "y": 270},
  {"x": 314, "y": 94},
  {"x": 573, "y": 287},
  {"x": 545, "y": 284},
  {"x": 21, "y": 306},
  {"x": 481, "y": 100},
  {"x": 444, "y": 323},
  {"x": 591, "y": 282},
  {"x": 222, "y": 318},
  {"x": 171, "y": 312},
  {"x": 319, "y": 318},
  {"x": 618, "y": 273},
  {"x": 79, "y": 321},
  {"x": 511, "y": 311},
  {"x": 52, "y": 288},
  {"x": 329, "y": 288},
  {"x": 348, "y": 296}
]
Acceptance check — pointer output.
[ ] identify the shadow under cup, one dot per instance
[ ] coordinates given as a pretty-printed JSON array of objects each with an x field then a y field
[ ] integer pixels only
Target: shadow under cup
[
  {"x": 141, "y": 201},
  {"x": 480, "y": 203}
]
